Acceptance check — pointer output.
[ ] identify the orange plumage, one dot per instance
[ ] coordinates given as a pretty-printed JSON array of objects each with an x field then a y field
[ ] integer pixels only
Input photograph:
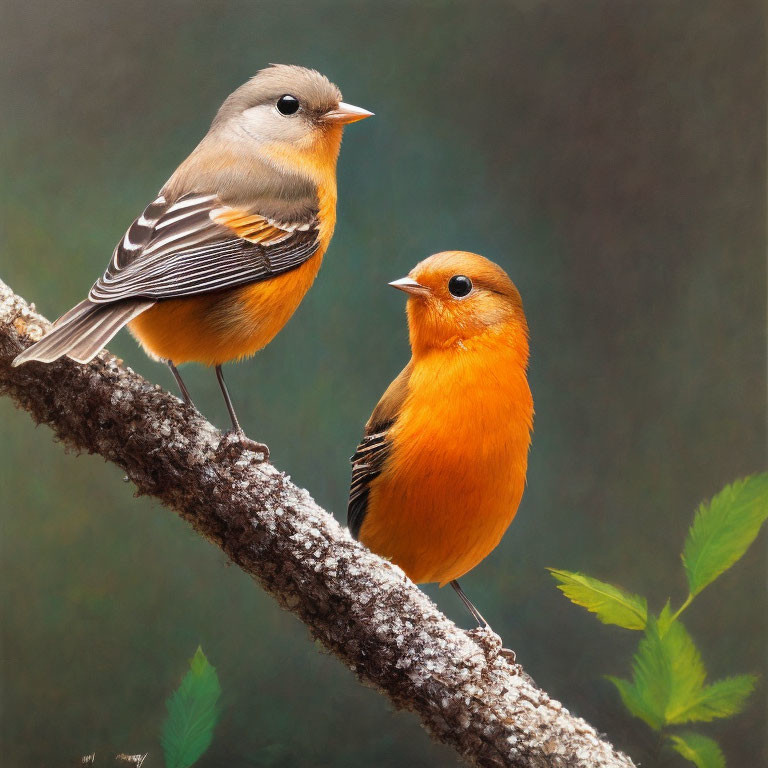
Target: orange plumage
[
  {"x": 440, "y": 474},
  {"x": 217, "y": 263},
  {"x": 216, "y": 328},
  {"x": 229, "y": 325}
]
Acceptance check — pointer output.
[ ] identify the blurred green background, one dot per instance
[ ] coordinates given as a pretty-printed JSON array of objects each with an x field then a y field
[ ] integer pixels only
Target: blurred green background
[{"x": 609, "y": 155}]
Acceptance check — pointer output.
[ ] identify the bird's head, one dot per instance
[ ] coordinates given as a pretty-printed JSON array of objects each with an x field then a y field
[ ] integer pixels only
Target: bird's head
[
  {"x": 293, "y": 115},
  {"x": 456, "y": 297}
]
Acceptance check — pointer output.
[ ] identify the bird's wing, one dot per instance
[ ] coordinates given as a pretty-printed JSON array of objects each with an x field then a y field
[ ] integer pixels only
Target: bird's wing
[
  {"x": 197, "y": 245},
  {"x": 372, "y": 452}
]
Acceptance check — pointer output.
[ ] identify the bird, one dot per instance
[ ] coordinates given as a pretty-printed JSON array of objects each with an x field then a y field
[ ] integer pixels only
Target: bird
[
  {"x": 440, "y": 471},
  {"x": 218, "y": 262}
]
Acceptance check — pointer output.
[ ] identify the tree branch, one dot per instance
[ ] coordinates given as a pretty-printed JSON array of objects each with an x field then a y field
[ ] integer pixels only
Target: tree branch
[{"x": 360, "y": 607}]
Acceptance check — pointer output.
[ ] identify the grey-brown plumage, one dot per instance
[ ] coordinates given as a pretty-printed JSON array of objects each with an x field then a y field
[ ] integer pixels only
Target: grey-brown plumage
[
  {"x": 316, "y": 91},
  {"x": 193, "y": 254},
  {"x": 187, "y": 251},
  {"x": 89, "y": 329},
  {"x": 230, "y": 214},
  {"x": 246, "y": 120}
]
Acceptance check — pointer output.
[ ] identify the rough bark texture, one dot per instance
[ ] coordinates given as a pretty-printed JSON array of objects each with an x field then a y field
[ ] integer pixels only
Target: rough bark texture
[{"x": 360, "y": 607}]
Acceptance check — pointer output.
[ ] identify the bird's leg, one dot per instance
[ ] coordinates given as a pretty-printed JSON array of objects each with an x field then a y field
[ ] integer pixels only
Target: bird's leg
[
  {"x": 478, "y": 617},
  {"x": 228, "y": 400},
  {"x": 180, "y": 382},
  {"x": 237, "y": 430},
  {"x": 482, "y": 624}
]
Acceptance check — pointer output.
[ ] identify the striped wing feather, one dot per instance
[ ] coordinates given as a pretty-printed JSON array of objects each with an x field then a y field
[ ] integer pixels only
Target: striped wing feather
[
  {"x": 192, "y": 246},
  {"x": 373, "y": 450},
  {"x": 197, "y": 245}
]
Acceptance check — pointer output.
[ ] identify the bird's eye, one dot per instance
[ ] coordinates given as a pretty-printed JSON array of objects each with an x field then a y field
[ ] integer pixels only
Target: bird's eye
[
  {"x": 459, "y": 286},
  {"x": 287, "y": 105}
]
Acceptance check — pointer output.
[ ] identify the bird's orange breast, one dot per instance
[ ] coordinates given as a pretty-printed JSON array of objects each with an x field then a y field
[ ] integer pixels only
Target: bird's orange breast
[
  {"x": 218, "y": 327},
  {"x": 215, "y": 328},
  {"x": 456, "y": 470}
]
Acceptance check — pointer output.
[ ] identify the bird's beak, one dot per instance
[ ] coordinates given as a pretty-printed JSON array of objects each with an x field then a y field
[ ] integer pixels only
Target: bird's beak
[
  {"x": 346, "y": 113},
  {"x": 409, "y": 286}
]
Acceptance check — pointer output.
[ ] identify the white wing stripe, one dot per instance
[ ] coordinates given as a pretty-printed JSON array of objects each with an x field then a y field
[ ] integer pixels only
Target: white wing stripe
[
  {"x": 190, "y": 279},
  {"x": 159, "y": 265},
  {"x": 185, "y": 202},
  {"x": 181, "y": 250},
  {"x": 127, "y": 244},
  {"x": 172, "y": 239},
  {"x": 197, "y": 285},
  {"x": 178, "y": 275},
  {"x": 175, "y": 271},
  {"x": 185, "y": 215}
]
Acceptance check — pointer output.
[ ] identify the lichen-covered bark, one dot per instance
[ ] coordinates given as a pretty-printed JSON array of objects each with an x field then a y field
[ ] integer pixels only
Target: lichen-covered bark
[{"x": 360, "y": 607}]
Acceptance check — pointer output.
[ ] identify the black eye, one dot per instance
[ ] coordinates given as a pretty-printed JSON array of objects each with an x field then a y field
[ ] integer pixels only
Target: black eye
[
  {"x": 459, "y": 286},
  {"x": 287, "y": 105}
]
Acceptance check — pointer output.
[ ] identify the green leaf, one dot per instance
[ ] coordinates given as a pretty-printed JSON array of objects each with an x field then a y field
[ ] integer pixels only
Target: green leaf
[
  {"x": 665, "y": 619},
  {"x": 635, "y": 703},
  {"x": 611, "y": 604},
  {"x": 667, "y": 674},
  {"x": 724, "y": 698},
  {"x": 702, "y": 751},
  {"x": 723, "y": 529},
  {"x": 192, "y": 714}
]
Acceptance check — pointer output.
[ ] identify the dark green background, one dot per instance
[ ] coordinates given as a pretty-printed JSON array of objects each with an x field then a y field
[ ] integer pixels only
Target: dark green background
[{"x": 609, "y": 155}]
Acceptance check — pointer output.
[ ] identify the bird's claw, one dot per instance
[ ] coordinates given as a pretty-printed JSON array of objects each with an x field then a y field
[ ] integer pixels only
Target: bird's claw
[
  {"x": 237, "y": 439},
  {"x": 493, "y": 646},
  {"x": 487, "y": 639}
]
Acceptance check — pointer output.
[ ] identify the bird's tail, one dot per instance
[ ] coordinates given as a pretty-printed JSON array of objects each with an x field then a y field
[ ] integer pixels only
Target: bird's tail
[{"x": 83, "y": 331}]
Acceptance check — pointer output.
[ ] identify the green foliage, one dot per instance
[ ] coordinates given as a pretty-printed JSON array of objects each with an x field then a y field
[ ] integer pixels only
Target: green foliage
[
  {"x": 192, "y": 714},
  {"x": 611, "y": 605},
  {"x": 723, "y": 530},
  {"x": 702, "y": 751},
  {"x": 665, "y": 619},
  {"x": 635, "y": 702},
  {"x": 668, "y": 685},
  {"x": 667, "y": 673},
  {"x": 668, "y": 677},
  {"x": 724, "y": 698}
]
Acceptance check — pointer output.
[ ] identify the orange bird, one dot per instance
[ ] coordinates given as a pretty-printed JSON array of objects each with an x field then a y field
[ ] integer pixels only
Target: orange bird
[
  {"x": 440, "y": 471},
  {"x": 216, "y": 265}
]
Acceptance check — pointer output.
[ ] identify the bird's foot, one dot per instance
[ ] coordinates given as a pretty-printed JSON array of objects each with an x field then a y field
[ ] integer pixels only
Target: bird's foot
[
  {"x": 236, "y": 439},
  {"x": 493, "y": 646},
  {"x": 487, "y": 639}
]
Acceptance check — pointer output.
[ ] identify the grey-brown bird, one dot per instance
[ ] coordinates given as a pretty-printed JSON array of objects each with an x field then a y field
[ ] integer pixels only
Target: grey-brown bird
[{"x": 216, "y": 265}]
